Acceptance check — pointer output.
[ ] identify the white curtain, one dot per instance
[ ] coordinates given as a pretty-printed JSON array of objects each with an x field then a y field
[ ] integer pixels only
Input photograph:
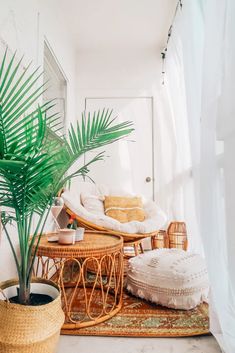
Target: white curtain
[
  {"x": 199, "y": 94},
  {"x": 217, "y": 163},
  {"x": 177, "y": 162}
]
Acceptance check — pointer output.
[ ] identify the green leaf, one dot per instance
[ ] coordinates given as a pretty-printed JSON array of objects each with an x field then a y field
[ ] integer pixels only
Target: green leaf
[
  {"x": 34, "y": 160},
  {"x": 11, "y": 165}
]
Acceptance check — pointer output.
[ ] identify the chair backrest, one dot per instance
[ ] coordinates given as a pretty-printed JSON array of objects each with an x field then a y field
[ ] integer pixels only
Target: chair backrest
[
  {"x": 82, "y": 186},
  {"x": 79, "y": 186}
]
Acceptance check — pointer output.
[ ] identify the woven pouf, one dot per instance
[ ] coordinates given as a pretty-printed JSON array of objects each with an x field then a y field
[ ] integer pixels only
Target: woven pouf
[{"x": 170, "y": 277}]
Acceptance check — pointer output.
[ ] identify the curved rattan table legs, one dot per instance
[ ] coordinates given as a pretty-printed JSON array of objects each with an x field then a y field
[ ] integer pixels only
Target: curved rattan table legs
[{"x": 91, "y": 287}]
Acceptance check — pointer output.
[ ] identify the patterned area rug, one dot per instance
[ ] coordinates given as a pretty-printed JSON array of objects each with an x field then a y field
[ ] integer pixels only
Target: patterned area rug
[{"x": 139, "y": 318}]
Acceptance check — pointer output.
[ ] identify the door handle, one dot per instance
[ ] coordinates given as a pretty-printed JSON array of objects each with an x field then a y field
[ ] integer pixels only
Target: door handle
[{"x": 148, "y": 179}]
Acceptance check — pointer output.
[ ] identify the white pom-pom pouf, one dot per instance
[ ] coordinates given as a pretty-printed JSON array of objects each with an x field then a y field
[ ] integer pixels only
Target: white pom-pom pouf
[{"x": 170, "y": 277}]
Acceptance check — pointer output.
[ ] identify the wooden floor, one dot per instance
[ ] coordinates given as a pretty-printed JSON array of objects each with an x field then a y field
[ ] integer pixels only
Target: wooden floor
[{"x": 75, "y": 344}]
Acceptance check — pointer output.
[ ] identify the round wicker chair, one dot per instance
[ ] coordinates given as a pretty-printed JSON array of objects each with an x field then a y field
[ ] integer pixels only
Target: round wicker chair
[{"x": 132, "y": 241}]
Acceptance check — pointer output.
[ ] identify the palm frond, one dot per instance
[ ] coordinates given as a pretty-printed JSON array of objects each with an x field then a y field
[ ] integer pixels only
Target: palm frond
[
  {"x": 35, "y": 160},
  {"x": 17, "y": 95},
  {"x": 96, "y": 132}
]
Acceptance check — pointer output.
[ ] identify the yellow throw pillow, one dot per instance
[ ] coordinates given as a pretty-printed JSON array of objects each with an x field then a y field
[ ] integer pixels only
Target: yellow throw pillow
[{"x": 124, "y": 209}]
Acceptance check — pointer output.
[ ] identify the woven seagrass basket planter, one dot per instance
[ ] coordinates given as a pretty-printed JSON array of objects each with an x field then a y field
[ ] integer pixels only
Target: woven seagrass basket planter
[{"x": 30, "y": 329}]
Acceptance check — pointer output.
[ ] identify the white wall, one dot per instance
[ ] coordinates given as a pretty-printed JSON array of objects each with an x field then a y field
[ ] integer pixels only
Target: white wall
[
  {"x": 113, "y": 73},
  {"x": 23, "y": 25}
]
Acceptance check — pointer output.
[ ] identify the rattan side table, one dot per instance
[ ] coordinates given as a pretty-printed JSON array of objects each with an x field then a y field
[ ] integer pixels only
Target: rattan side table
[{"x": 90, "y": 275}]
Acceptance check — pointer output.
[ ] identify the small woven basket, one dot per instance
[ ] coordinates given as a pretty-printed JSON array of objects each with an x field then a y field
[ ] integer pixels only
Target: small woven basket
[
  {"x": 177, "y": 234},
  {"x": 160, "y": 240},
  {"x": 30, "y": 329}
]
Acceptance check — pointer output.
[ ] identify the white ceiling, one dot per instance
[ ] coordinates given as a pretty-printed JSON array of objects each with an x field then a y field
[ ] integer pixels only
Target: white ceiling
[{"x": 123, "y": 24}]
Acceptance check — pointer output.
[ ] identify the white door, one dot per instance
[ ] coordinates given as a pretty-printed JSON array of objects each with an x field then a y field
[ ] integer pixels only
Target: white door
[{"x": 129, "y": 162}]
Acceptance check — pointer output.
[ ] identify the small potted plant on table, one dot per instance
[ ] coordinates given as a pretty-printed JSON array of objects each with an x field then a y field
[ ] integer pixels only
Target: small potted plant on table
[{"x": 34, "y": 164}]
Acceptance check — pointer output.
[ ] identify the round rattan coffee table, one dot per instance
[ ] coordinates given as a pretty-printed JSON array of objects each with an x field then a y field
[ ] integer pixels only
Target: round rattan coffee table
[{"x": 90, "y": 275}]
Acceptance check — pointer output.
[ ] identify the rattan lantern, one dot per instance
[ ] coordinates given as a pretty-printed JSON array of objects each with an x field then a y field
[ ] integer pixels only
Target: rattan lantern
[
  {"x": 177, "y": 234},
  {"x": 160, "y": 240}
]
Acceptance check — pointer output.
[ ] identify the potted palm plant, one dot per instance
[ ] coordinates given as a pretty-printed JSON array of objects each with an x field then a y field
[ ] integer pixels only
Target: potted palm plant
[{"x": 35, "y": 160}]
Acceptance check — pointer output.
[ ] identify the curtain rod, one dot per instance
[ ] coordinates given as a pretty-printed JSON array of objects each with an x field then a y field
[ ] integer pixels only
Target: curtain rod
[{"x": 164, "y": 52}]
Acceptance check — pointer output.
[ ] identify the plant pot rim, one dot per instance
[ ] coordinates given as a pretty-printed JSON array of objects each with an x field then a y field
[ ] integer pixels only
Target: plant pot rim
[{"x": 13, "y": 282}]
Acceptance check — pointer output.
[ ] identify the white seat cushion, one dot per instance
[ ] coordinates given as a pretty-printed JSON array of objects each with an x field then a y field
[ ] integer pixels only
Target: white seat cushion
[
  {"x": 155, "y": 217},
  {"x": 92, "y": 203},
  {"x": 169, "y": 277}
]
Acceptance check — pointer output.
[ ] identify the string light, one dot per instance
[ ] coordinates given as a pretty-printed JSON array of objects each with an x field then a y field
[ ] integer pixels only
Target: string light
[{"x": 164, "y": 52}]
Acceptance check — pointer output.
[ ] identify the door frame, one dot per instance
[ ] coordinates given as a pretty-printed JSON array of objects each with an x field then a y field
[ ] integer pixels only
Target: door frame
[
  {"x": 152, "y": 118},
  {"x": 58, "y": 70}
]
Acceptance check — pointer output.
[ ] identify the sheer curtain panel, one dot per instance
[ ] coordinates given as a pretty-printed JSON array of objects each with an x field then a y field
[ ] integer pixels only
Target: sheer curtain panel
[{"x": 201, "y": 79}]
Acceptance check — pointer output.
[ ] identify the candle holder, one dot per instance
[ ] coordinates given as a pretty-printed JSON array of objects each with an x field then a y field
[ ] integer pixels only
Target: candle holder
[{"x": 56, "y": 208}]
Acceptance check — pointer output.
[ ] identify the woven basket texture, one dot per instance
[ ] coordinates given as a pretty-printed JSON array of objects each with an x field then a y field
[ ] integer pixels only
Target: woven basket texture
[
  {"x": 30, "y": 329},
  {"x": 46, "y": 346}
]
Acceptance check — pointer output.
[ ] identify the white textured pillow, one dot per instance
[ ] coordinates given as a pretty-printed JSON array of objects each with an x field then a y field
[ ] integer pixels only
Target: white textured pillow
[
  {"x": 93, "y": 203},
  {"x": 169, "y": 277}
]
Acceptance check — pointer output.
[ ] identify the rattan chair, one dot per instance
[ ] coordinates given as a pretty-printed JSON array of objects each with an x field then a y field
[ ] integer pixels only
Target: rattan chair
[{"x": 132, "y": 241}]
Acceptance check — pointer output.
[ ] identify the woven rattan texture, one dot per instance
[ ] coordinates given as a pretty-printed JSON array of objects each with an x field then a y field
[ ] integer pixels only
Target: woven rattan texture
[
  {"x": 29, "y": 329},
  {"x": 71, "y": 266},
  {"x": 93, "y": 245},
  {"x": 127, "y": 237}
]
